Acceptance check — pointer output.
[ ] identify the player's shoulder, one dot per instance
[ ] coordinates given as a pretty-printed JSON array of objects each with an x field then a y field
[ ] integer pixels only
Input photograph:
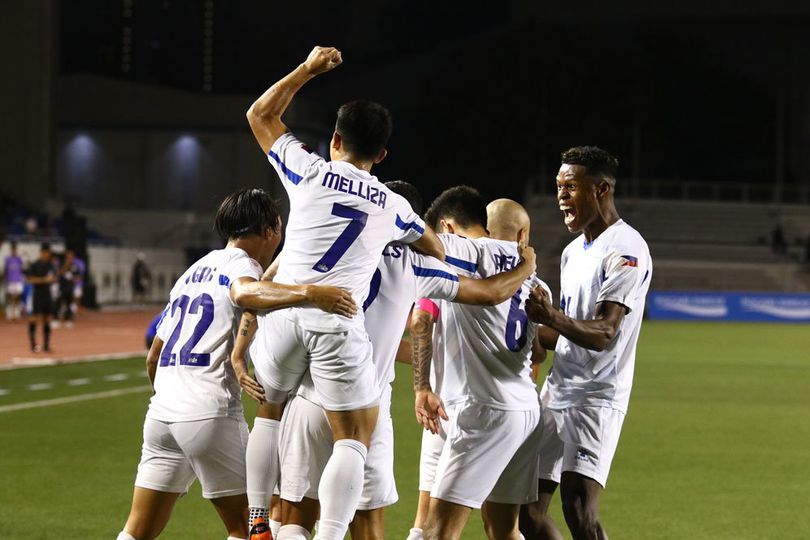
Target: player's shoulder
[
  {"x": 494, "y": 245},
  {"x": 626, "y": 237}
]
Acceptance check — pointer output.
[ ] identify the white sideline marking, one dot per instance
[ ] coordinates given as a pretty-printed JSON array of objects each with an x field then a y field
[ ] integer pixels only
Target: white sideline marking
[
  {"x": 116, "y": 377},
  {"x": 40, "y": 386},
  {"x": 4, "y": 391},
  {"x": 72, "y": 399},
  {"x": 78, "y": 382},
  {"x": 17, "y": 363}
]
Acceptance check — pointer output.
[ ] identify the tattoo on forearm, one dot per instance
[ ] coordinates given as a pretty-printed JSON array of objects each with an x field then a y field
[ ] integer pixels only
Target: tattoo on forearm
[
  {"x": 422, "y": 353},
  {"x": 246, "y": 324}
]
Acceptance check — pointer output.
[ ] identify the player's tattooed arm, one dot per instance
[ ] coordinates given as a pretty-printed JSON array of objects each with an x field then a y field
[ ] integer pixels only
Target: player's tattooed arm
[
  {"x": 267, "y": 295},
  {"x": 264, "y": 116},
  {"x": 152, "y": 360},
  {"x": 428, "y": 406},
  {"x": 247, "y": 329},
  {"x": 595, "y": 334},
  {"x": 498, "y": 288}
]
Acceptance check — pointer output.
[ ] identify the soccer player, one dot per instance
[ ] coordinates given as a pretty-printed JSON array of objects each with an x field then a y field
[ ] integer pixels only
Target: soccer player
[
  {"x": 490, "y": 436},
  {"x": 41, "y": 274},
  {"x": 605, "y": 274},
  {"x": 69, "y": 275},
  {"x": 195, "y": 425},
  {"x": 341, "y": 218},
  {"x": 14, "y": 276},
  {"x": 401, "y": 277}
]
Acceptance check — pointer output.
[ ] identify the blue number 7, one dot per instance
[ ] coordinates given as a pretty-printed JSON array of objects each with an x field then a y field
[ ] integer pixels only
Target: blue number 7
[{"x": 346, "y": 239}]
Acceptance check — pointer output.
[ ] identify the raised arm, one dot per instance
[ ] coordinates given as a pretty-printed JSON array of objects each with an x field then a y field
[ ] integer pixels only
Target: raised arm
[
  {"x": 498, "y": 288},
  {"x": 429, "y": 244},
  {"x": 267, "y": 295},
  {"x": 264, "y": 116},
  {"x": 595, "y": 334}
]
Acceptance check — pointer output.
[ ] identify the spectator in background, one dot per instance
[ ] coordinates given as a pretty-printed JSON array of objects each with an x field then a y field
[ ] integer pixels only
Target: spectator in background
[
  {"x": 68, "y": 276},
  {"x": 141, "y": 277},
  {"x": 78, "y": 284},
  {"x": 41, "y": 274},
  {"x": 778, "y": 243},
  {"x": 14, "y": 276}
]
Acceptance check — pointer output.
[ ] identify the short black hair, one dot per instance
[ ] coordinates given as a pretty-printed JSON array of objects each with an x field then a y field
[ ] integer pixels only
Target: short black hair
[
  {"x": 364, "y": 127},
  {"x": 409, "y": 191},
  {"x": 596, "y": 161},
  {"x": 246, "y": 212},
  {"x": 463, "y": 204}
]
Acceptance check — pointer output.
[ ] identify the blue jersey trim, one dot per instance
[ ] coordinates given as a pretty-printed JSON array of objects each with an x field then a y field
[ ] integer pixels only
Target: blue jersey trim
[
  {"x": 291, "y": 176},
  {"x": 461, "y": 263},
  {"x": 373, "y": 289},
  {"x": 418, "y": 271},
  {"x": 412, "y": 225}
]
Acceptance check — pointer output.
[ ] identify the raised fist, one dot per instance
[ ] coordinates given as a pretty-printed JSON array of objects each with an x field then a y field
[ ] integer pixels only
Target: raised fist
[{"x": 322, "y": 59}]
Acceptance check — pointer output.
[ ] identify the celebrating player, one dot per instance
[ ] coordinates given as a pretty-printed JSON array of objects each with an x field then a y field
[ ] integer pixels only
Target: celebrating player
[
  {"x": 401, "y": 277},
  {"x": 490, "y": 436},
  {"x": 195, "y": 425},
  {"x": 341, "y": 218},
  {"x": 605, "y": 274}
]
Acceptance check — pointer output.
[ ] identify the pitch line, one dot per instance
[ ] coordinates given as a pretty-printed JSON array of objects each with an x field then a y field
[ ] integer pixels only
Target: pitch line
[{"x": 72, "y": 399}]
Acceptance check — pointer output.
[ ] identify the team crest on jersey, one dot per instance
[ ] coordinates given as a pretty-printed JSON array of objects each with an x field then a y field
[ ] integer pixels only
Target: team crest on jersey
[
  {"x": 306, "y": 148},
  {"x": 630, "y": 261}
]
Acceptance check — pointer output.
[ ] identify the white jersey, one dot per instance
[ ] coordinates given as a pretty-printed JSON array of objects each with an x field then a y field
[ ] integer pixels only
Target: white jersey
[
  {"x": 402, "y": 277},
  {"x": 484, "y": 352},
  {"x": 195, "y": 380},
  {"x": 615, "y": 267},
  {"x": 341, "y": 218}
]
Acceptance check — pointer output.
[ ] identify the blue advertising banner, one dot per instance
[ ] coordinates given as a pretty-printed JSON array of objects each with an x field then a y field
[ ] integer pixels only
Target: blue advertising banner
[{"x": 722, "y": 306}]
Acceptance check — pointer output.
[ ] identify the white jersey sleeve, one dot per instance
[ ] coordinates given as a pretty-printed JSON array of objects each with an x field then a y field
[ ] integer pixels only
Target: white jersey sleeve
[
  {"x": 238, "y": 268},
  {"x": 622, "y": 278},
  {"x": 293, "y": 161},
  {"x": 463, "y": 254},
  {"x": 434, "y": 279}
]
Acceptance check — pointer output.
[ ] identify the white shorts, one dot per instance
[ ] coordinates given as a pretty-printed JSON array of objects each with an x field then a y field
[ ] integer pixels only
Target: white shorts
[
  {"x": 175, "y": 453},
  {"x": 14, "y": 288},
  {"x": 432, "y": 445},
  {"x": 305, "y": 446},
  {"x": 340, "y": 364},
  {"x": 581, "y": 440},
  {"x": 77, "y": 293},
  {"x": 489, "y": 454}
]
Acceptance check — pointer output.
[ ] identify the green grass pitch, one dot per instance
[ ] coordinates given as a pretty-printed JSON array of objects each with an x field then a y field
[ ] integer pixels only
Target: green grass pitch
[{"x": 715, "y": 445}]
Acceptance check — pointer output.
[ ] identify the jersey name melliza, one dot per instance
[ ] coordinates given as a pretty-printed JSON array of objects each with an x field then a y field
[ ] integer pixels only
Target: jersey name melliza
[{"x": 346, "y": 185}]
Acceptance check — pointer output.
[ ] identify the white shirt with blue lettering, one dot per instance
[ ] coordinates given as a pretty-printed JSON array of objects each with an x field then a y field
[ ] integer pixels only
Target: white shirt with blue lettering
[
  {"x": 483, "y": 353},
  {"x": 195, "y": 380},
  {"x": 341, "y": 218},
  {"x": 402, "y": 277},
  {"x": 615, "y": 267}
]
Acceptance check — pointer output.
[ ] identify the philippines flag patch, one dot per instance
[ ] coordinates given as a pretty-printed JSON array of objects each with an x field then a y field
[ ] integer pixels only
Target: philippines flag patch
[
  {"x": 630, "y": 261},
  {"x": 306, "y": 148}
]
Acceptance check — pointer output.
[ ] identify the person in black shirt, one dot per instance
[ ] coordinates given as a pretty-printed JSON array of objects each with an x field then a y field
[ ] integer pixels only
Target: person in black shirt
[{"x": 41, "y": 274}]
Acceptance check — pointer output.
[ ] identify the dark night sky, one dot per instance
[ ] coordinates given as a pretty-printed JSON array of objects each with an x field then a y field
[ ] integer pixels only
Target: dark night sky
[{"x": 482, "y": 90}]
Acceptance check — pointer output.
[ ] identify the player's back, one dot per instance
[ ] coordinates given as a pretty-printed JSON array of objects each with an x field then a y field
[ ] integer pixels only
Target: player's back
[
  {"x": 341, "y": 218},
  {"x": 486, "y": 350},
  {"x": 194, "y": 378},
  {"x": 615, "y": 267}
]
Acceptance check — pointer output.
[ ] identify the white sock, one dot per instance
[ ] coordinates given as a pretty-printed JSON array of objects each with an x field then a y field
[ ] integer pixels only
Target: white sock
[
  {"x": 274, "y": 527},
  {"x": 292, "y": 532},
  {"x": 340, "y": 488},
  {"x": 262, "y": 466},
  {"x": 125, "y": 536},
  {"x": 415, "y": 534}
]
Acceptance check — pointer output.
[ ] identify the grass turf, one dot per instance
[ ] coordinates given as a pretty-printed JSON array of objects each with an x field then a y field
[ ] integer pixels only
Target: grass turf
[{"x": 714, "y": 446}]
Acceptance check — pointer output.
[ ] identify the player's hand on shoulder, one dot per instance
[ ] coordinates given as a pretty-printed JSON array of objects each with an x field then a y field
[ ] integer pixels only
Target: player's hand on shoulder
[
  {"x": 322, "y": 59},
  {"x": 429, "y": 409},
  {"x": 538, "y": 306},
  {"x": 528, "y": 256},
  {"x": 332, "y": 300}
]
